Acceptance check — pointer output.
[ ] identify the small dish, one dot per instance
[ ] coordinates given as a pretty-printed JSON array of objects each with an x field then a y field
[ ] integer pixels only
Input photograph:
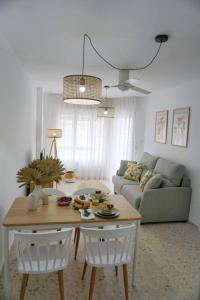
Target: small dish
[
  {"x": 100, "y": 196},
  {"x": 64, "y": 201}
]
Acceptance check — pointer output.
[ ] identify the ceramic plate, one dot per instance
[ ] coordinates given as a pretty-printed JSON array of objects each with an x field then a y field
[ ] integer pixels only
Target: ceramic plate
[
  {"x": 102, "y": 214},
  {"x": 107, "y": 212}
]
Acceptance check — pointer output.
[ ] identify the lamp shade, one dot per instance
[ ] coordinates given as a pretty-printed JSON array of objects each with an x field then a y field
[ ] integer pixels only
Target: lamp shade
[
  {"x": 57, "y": 133},
  {"x": 106, "y": 112},
  {"x": 83, "y": 90}
]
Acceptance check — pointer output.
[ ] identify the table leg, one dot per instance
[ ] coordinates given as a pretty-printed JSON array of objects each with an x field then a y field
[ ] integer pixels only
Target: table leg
[
  {"x": 135, "y": 250},
  {"x": 6, "y": 263}
]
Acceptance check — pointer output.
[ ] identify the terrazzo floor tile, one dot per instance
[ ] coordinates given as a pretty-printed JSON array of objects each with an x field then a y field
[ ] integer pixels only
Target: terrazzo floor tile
[{"x": 168, "y": 268}]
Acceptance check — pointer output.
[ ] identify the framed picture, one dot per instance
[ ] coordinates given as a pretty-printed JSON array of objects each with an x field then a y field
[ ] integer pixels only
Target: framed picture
[
  {"x": 180, "y": 126},
  {"x": 161, "y": 126}
]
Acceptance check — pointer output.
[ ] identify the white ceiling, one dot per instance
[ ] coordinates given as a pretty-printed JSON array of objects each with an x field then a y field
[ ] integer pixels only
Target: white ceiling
[{"x": 46, "y": 35}]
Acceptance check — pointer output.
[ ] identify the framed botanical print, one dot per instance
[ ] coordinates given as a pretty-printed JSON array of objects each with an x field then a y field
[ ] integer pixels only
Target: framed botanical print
[
  {"x": 161, "y": 126},
  {"x": 180, "y": 126}
]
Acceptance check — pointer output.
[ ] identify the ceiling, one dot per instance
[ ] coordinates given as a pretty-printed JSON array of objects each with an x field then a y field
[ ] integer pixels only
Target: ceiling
[{"x": 46, "y": 36}]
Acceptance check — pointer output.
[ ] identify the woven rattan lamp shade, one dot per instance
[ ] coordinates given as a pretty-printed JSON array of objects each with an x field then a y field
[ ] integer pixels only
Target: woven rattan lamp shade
[
  {"x": 91, "y": 95},
  {"x": 106, "y": 112}
]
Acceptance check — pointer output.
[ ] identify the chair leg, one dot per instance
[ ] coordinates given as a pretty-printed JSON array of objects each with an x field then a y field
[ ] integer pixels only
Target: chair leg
[
  {"x": 77, "y": 242},
  {"x": 61, "y": 284},
  {"x": 116, "y": 271},
  {"x": 92, "y": 281},
  {"x": 84, "y": 270},
  {"x": 23, "y": 286},
  {"x": 125, "y": 272},
  {"x": 75, "y": 234}
]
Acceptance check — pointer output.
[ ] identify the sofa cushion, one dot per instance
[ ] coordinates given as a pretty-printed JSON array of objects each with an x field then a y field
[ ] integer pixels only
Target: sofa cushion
[
  {"x": 149, "y": 160},
  {"x": 133, "y": 194},
  {"x": 133, "y": 171},
  {"x": 123, "y": 167},
  {"x": 120, "y": 181},
  {"x": 145, "y": 178},
  {"x": 154, "y": 182},
  {"x": 166, "y": 182},
  {"x": 185, "y": 182},
  {"x": 172, "y": 171}
]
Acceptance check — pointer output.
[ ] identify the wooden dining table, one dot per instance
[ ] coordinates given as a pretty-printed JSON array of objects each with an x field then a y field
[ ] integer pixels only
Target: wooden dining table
[{"x": 52, "y": 216}]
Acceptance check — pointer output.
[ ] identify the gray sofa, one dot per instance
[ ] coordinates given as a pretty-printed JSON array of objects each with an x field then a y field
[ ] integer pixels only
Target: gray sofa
[{"x": 170, "y": 202}]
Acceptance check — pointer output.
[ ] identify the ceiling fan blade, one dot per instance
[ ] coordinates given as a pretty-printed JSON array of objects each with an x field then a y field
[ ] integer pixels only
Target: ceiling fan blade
[
  {"x": 139, "y": 90},
  {"x": 131, "y": 80},
  {"x": 120, "y": 85},
  {"x": 126, "y": 85},
  {"x": 114, "y": 85}
]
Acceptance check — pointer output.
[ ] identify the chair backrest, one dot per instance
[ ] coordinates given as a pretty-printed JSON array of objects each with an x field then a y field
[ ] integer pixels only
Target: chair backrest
[
  {"x": 109, "y": 246},
  {"x": 85, "y": 191},
  {"x": 42, "y": 251},
  {"x": 52, "y": 191}
]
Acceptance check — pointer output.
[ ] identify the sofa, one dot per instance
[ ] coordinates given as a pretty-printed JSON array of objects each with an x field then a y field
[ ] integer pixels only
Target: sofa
[{"x": 169, "y": 202}]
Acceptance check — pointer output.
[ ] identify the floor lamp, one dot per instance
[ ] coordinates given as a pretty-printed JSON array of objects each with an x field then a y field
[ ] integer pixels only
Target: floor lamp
[{"x": 54, "y": 134}]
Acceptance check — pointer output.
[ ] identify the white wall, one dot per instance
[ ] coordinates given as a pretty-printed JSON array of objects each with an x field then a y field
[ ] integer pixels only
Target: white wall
[
  {"x": 182, "y": 96},
  {"x": 17, "y": 126},
  {"x": 39, "y": 121},
  {"x": 51, "y": 106}
]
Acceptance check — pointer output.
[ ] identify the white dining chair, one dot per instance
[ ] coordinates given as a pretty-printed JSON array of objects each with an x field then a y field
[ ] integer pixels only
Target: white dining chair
[
  {"x": 49, "y": 192},
  {"x": 77, "y": 230},
  {"x": 53, "y": 192},
  {"x": 85, "y": 191},
  {"x": 108, "y": 247},
  {"x": 42, "y": 252}
]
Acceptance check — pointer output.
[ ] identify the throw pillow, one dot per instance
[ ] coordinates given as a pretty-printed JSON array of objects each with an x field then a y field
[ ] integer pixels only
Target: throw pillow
[
  {"x": 154, "y": 182},
  {"x": 133, "y": 171},
  {"x": 123, "y": 167},
  {"x": 167, "y": 183},
  {"x": 144, "y": 171},
  {"x": 147, "y": 175}
]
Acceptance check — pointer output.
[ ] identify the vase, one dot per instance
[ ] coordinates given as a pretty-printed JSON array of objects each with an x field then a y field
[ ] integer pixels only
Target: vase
[
  {"x": 44, "y": 198},
  {"x": 41, "y": 194},
  {"x": 32, "y": 201},
  {"x": 35, "y": 196}
]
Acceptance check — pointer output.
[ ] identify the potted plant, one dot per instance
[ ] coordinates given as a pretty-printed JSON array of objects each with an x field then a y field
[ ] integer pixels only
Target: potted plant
[{"x": 40, "y": 172}]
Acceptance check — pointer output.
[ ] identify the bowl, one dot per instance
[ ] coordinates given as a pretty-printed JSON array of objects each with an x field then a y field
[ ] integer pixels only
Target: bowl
[{"x": 64, "y": 201}]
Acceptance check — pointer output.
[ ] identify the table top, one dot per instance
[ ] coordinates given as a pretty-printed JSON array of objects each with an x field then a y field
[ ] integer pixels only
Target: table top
[{"x": 19, "y": 215}]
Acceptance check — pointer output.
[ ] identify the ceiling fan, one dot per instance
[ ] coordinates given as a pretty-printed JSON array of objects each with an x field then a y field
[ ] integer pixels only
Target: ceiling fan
[
  {"x": 86, "y": 89},
  {"x": 125, "y": 83}
]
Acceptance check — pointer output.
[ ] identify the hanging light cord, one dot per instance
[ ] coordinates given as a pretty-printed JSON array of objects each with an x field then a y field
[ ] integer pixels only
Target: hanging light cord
[{"x": 109, "y": 63}]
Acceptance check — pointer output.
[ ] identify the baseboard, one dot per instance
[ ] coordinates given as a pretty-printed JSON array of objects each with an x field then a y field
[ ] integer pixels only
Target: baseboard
[{"x": 197, "y": 226}]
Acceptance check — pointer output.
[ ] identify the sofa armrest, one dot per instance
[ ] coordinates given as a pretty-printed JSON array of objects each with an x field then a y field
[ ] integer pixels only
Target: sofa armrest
[{"x": 165, "y": 204}]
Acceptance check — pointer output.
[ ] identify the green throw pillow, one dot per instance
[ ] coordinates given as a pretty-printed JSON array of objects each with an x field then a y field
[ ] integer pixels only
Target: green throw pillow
[{"x": 154, "y": 182}]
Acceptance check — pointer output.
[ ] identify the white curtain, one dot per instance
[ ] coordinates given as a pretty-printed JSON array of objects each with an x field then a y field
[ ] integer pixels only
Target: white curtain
[{"x": 92, "y": 146}]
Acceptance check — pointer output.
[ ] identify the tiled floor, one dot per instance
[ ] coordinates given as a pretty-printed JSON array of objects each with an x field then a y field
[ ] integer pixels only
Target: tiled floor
[{"x": 168, "y": 268}]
